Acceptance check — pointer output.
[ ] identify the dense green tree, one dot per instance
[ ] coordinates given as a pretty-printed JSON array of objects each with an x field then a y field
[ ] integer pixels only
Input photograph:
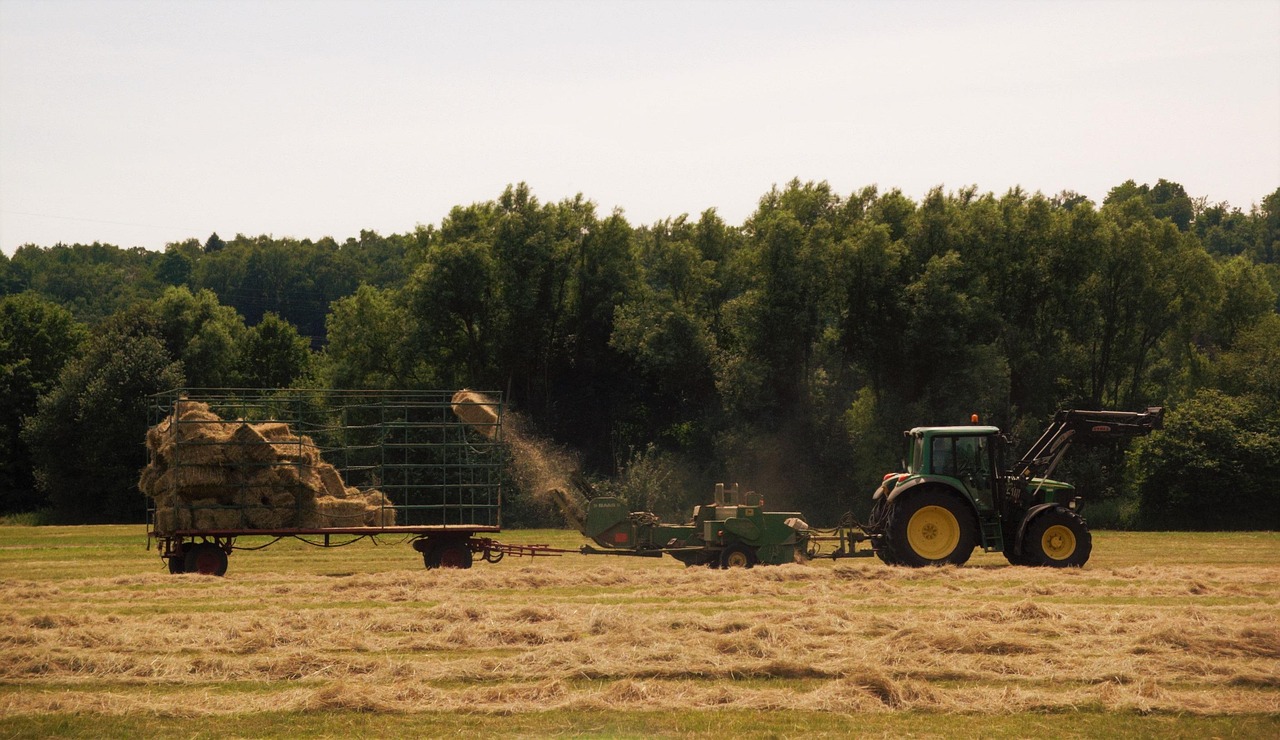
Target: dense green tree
[
  {"x": 37, "y": 338},
  {"x": 214, "y": 243},
  {"x": 85, "y": 435},
  {"x": 369, "y": 342},
  {"x": 178, "y": 262},
  {"x": 272, "y": 354},
  {"x": 203, "y": 334},
  {"x": 1215, "y": 465},
  {"x": 451, "y": 295},
  {"x": 92, "y": 281}
]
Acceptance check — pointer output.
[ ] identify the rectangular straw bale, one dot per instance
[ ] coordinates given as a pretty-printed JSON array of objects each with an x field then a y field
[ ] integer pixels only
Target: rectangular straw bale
[
  {"x": 219, "y": 519},
  {"x": 330, "y": 480},
  {"x": 309, "y": 476},
  {"x": 201, "y": 451},
  {"x": 341, "y": 512},
  {"x": 247, "y": 445},
  {"x": 186, "y": 477},
  {"x": 264, "y": 518},
  {"x": 476, "y": 410},
  {"x": 276, "y": 498},
  {"x": 157, "y": 435},
  {"x": 147, "y": 480},
  {"x": 185, "y": 407},
  {"x": 299, "y": 450},
  {"x": 378, "y": 511},
  {"x": 165, "y": 520},
  {"x": 274, "y": 431}
]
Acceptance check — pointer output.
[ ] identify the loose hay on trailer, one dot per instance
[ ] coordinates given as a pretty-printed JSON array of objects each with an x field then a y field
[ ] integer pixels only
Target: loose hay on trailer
[{"x": 227, "y": 463}]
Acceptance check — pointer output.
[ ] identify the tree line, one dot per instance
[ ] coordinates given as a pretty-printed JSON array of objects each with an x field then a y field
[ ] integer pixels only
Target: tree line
[{"x": 787, "y": 352}]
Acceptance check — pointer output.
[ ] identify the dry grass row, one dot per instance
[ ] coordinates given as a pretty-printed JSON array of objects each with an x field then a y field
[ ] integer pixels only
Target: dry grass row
[{"x": 585, "y": 634}]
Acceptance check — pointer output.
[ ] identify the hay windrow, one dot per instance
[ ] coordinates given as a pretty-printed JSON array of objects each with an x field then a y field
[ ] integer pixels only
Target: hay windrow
[
  {"x": 580, "y": 633},
  {"x": 207, "y": 473}
]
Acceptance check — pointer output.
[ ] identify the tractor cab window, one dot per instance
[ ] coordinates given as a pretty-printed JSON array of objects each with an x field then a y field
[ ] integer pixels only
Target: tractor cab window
[
  {"x": 913, "y": 459},
  {"x": 969, "y": 460},
  {"x": 943, "y": 456}
]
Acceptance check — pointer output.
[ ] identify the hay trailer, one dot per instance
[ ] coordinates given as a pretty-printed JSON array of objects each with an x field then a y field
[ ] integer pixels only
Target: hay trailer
[{"x": 325, "y": 467}]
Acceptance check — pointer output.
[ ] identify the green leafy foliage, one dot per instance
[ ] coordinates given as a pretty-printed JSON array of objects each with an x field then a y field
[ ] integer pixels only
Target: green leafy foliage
[
  {"x": 786, "y": 353},
  {"x": 37, "y": 338},
  {"x": 1215, "y": 465},
  {"x": 84, "y": 437}
]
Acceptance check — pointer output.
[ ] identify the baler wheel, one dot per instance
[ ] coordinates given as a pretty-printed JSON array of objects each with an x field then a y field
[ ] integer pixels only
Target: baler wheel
[
  {"x": 1057, "y": 538},
  {"x": 737, "y": 555},
  {"x": 205, "y": 558},
  {"x": 929, "y": 527}
]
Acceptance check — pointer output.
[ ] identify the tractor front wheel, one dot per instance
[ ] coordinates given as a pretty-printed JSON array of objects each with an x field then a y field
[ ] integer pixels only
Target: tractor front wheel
[
  {"x": 1057, "y": 538},
  {"x": 929, "y": 527}
]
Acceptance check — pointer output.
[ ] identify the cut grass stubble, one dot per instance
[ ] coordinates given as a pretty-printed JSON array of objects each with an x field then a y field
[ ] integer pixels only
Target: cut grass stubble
[{"x": 580, "y": 634}]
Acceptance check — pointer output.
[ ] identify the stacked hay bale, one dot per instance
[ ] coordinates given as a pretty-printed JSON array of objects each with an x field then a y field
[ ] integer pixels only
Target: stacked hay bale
[{"x": 210, "y": 473}]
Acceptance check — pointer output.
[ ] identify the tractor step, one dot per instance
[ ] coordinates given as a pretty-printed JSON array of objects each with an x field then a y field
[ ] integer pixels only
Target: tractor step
[{"x": 992, "y": 536}]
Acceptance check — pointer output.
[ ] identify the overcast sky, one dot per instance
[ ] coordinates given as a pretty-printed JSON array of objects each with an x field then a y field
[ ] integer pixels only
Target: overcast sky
[{"x": 141, "y": 123}]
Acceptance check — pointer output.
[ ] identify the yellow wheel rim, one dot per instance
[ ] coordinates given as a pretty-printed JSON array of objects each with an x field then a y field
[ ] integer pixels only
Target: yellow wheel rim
[
  {"x": 1058, "y": 542},
  {"x": 736, "y": 559},
  {"x": 933, "y": 533}
]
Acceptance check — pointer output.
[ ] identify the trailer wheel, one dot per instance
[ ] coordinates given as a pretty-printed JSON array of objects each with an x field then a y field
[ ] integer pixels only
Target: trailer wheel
[
  {"x": 929, "y": 527},
  {"x": 737, "y": 555},
  {"x": 1057, "y": 538},
  {"x": 447, "y": 554},
  {"x": 177, "y": 564},
  {"x": 205, "y": 558}
]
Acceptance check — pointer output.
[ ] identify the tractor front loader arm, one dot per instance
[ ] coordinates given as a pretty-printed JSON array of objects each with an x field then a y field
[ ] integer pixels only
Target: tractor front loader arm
[{"x": 1070, "y": 426}]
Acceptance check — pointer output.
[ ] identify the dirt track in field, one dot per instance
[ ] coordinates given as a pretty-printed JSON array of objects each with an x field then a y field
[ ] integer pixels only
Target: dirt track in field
[{"x": 581, "y": 633}]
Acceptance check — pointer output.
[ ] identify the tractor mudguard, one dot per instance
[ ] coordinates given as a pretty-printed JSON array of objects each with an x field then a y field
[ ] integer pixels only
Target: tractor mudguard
[
  {"x": 923, "y": 479},
  {"x": 1032, "y": 513}
]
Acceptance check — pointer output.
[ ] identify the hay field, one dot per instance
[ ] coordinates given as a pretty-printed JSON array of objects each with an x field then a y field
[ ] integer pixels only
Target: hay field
[{"x": 1160, "y": 634}]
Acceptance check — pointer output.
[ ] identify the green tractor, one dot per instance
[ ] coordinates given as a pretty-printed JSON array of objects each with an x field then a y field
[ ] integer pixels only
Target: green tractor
[{"x": 956, "y": 494}]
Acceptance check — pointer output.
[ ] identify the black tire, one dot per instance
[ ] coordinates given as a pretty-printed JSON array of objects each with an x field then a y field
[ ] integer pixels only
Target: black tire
[
  {"x": 448, "y": 554},
  {"x": 177, "y": 564},
  {"x": 878, "y": 516},
  {"x": 932, "y": 526},
  {"x": 738, "y": 555},
  {"x": 205, "y": 558},
  {"x": 1057, "y": 538}
]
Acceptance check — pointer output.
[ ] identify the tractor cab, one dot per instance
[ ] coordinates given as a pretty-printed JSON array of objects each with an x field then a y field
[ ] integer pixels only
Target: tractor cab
[{"x": 965, "y": 457}]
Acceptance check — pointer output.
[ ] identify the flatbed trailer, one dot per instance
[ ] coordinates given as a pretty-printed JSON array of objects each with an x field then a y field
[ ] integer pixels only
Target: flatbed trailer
[
  {"x": 207, "y": 551},
  {"x": 328, "y": 468}
]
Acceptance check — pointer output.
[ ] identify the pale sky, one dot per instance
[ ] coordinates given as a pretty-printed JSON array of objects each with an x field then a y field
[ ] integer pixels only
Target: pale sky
[{"x": 143, "y": 123}]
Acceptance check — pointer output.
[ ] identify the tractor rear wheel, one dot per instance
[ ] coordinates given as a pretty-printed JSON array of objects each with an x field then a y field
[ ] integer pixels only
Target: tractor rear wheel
[
  {"x": 929, "y": 527},
  {"x": 1057, "y": 538}
]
